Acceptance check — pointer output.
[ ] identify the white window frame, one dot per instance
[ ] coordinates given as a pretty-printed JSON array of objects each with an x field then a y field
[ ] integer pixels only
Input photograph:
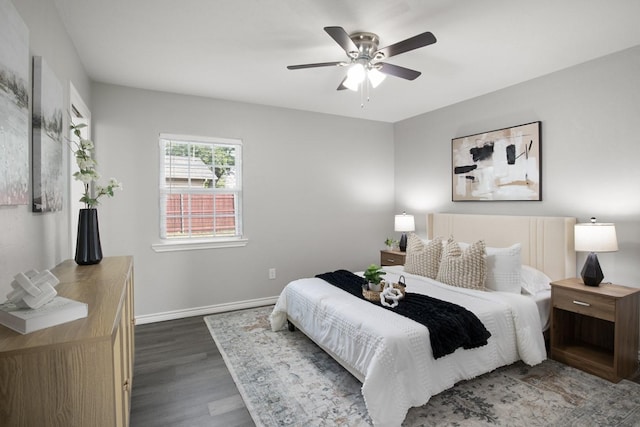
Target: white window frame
[
  {"x": 198, "y": 242},
  {"x": 80, "y": 114}
]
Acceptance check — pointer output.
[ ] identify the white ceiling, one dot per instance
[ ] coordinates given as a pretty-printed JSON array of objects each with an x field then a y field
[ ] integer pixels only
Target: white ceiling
[{"x": 239, "y": 49}]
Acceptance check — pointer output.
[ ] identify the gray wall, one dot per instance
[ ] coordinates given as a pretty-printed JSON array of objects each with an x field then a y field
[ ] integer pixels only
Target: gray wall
[
  {"x": 590, "y": 152},
  {"x": 41, "y": 240},
  {"x": 318, "y": 195}
]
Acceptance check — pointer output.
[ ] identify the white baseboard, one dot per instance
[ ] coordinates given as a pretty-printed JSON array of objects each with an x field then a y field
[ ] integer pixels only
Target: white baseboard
[{"x": 201, "y": 311}]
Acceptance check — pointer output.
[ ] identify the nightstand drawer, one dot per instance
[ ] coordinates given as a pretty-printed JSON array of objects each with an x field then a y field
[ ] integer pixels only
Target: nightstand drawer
[
  {"x": 392, "y": 258},
  {"x": 593, "y": 305}
]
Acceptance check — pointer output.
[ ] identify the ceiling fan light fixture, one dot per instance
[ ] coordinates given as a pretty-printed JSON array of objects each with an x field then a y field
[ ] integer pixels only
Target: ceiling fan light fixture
[
  {"x": 351, "y": 84},
  {"x": 364, "y": 55},
  {"x": 355, "y": 76},
  {"x": 375, "y": 77}
]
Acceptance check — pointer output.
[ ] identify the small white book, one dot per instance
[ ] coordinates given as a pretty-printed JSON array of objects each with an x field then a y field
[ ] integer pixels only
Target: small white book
[{"x": 26, "y": 320}]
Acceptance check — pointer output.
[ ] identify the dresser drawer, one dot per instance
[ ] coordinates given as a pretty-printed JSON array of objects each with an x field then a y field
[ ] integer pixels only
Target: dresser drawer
[{"x": 593, "y": 305}]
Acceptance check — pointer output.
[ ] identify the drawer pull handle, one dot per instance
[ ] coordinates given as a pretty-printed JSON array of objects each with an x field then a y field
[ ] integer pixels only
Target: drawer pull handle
[
  {"x": 582, "y": 303},
  {"x": 391, "y": 260}
]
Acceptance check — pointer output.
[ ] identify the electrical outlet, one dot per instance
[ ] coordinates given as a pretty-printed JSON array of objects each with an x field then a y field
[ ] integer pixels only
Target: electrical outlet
[{"x": 272, "y": 273}]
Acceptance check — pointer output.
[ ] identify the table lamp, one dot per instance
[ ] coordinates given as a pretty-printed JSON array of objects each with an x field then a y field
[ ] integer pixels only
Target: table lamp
[
  {"x": 594, "y": 237},
  {"x": 404, "y": 223}
]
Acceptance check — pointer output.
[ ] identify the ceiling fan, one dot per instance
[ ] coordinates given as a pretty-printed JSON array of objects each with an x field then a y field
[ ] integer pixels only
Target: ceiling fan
[{"x": 364, "y": 57}]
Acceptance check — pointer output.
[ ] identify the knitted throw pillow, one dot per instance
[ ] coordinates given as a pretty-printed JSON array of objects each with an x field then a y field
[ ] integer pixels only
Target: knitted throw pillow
[
  {"x": 414, "y": 243},
  {"x": 423, "y": 259},
  {"x": 464, "y": 269}
]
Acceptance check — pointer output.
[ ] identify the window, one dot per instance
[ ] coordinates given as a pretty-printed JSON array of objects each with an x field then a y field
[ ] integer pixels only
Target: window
[{"x": 200, "y": 192}]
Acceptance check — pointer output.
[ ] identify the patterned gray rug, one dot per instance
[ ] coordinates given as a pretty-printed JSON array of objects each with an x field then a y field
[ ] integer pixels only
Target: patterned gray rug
[{"x": 286, "y": 380}]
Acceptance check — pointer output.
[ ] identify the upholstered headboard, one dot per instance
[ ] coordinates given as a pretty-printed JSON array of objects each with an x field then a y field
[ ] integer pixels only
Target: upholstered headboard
[{"x": 547, "y": 242}]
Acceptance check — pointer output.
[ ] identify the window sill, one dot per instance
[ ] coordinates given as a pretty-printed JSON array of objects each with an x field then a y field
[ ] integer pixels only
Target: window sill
[{"x": 197, "y": 244}]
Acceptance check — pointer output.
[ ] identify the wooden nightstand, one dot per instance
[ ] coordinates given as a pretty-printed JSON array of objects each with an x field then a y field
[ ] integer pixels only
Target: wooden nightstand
[
  {"x": 595, "y": 329},
  {"x": 388, "y": 257}
]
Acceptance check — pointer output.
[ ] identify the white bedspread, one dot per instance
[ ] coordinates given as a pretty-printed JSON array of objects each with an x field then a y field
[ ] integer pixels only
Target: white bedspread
[{"x": 393, "y": 354}]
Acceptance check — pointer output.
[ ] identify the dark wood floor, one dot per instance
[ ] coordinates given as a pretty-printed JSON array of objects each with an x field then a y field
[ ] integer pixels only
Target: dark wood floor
[{"x": 180, "y": 378}]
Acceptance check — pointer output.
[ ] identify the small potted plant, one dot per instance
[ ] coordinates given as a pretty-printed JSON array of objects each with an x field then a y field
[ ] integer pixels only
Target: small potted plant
[
  {"x": 374, "y": 274},
  {"x": 390, "y": 243}
]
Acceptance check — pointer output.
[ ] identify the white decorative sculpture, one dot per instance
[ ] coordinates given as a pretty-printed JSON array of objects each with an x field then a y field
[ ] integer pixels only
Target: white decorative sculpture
[
  {"x": 33, "y": 289},
  {"x": 392, "y": 294}
]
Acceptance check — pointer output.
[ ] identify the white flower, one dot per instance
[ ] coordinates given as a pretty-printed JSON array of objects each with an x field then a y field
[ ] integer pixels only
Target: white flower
[
  {"x": 86, "y": 144},
  {"x": 86, "y": 177},
  {"x": 113, "y": 183},
  {"x": 85, "y": 163}
]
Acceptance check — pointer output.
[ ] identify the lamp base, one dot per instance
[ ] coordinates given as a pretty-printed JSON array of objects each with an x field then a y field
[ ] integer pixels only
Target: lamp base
[
  {"x": 403, "y": 242},
  {"x": 591, "y": 272}
]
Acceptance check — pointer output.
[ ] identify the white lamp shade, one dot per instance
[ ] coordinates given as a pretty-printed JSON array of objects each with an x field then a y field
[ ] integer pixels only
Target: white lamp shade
[
  {"x": 404, "y": 223},
  {"x": 375, "y": 77},
  {"x": 355, "y": 76},
  {"x": 595, "y": 237}
]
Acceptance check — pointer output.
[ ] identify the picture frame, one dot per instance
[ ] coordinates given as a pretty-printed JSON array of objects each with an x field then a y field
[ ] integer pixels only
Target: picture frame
[
  {"x": 14, "y": 107},
  {"x": 499, "y": 165},
  {"x": 47, "y": 123}
]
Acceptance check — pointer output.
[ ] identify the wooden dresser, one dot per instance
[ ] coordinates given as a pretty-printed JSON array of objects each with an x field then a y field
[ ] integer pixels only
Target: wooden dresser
[
  {"x": 595, "y": 328},
  {"x": 78, "y": 373}
]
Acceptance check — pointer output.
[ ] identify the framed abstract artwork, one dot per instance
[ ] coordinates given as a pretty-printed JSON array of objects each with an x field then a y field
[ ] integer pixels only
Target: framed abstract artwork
[
  {"x": 502, "y": 164},
  {"x": 14, "y": 107},
  {"x": 47, "y": 138}
]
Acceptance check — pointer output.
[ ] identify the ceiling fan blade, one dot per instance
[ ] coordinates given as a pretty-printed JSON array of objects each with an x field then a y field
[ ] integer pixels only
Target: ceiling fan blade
[
  {"x": 342, "y": 86},
  {"x": 412, "y": 43},
  {"x": 319, "y": 64},
  {"x": 398, "y": 71},
  {"x": 342, "y": 38}
]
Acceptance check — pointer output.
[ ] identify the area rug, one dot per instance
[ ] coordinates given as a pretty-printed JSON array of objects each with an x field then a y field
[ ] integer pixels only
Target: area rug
[{"x": 286, "y": 380}]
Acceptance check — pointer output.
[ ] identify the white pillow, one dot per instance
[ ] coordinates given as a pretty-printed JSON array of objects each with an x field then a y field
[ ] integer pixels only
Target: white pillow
[
  {"x": 533, "y": 280},
  {"x": 503, "y": 268}
]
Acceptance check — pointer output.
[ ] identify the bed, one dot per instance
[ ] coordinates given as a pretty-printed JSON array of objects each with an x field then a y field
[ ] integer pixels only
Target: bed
[{"x": 392, "y": 356}]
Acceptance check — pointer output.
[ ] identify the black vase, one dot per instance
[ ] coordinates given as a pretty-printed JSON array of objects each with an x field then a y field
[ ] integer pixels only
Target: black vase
[{"x": 88, "y": 249}]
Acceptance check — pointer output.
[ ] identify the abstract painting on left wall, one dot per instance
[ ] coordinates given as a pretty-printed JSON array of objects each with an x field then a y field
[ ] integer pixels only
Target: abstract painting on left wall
[
  {"x": 47, "y": 138},
  {"x": 14, "y": 107}
]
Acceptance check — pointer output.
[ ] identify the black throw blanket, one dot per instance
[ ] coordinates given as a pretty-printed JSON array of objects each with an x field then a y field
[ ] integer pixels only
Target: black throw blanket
[{"x": 450, "y": 326}]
